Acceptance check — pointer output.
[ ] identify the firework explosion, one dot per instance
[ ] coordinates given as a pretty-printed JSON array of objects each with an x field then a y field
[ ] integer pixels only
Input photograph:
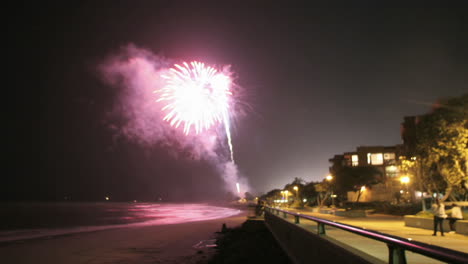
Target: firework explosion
[
  {"x": 192, "y": 97},
  {"x": 195, "y": 95}
]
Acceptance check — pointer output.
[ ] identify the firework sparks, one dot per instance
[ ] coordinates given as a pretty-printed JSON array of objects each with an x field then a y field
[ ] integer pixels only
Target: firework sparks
[{"x": 195, "y": 96}]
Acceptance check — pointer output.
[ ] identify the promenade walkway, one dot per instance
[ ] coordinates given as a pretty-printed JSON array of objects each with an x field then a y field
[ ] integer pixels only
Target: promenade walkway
[{"x": 389, "y": 224}]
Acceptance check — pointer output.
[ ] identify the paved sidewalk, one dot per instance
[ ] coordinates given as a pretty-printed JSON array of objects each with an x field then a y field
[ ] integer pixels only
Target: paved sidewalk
[{"x": 389, "y": 224}]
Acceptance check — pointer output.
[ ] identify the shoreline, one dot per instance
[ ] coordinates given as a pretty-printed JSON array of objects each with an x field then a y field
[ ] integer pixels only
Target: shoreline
[
  {"x": 212, "y": 212},
  {"x": 171, "y": 243}
]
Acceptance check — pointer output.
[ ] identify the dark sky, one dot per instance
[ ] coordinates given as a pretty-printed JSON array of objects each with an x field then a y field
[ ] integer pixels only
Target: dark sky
[{"x": 319, "y": 81}]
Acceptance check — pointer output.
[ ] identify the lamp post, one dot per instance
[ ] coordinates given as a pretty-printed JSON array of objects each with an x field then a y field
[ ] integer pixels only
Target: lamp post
[
  {"x": 405, "y": 180},
  {"x": 329, "y": 178},
  {"x": 297, "y": 192}
]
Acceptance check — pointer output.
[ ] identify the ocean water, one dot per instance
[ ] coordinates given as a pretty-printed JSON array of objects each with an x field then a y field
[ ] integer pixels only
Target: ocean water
[{"x": 20, "y": 221}]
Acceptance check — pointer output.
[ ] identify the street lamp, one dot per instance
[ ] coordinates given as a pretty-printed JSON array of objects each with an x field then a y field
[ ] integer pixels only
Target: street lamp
[
  {"x": 329, "y": 178},
  {"x": 286, "y": 193},
  {"x": 297, "y": 192},
  {"x": 405, "y": 180}
]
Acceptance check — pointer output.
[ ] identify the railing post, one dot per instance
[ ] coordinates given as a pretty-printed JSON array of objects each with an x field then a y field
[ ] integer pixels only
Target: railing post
[
  {"x": 285, "y": 215},
  {"x": 396, "y": 255},
  {"x": 320, "y": 228},
  {"x": 296, "y": 219}
]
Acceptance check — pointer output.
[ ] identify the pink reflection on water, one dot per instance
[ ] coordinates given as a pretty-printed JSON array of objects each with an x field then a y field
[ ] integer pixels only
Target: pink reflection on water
[{"x": 149, "y": 214}]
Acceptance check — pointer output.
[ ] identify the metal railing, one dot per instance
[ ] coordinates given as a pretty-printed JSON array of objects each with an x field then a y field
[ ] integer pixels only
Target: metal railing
[{"x": 396, "y": 245}]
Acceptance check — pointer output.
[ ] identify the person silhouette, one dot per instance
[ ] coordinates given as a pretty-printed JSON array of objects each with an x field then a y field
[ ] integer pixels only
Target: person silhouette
[{"x": 438, "y": 209}]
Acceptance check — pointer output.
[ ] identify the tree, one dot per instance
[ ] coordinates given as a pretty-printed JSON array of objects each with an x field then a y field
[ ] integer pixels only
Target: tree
[
  {"x": 354, "y": 178},
  {"x": 323, "y": 190},
  {"x": 248, "y": 196},
  {"x": 308, "y": 192},
  {"x": 442, "y": 144},
  {"x": 271, "y": 196}
]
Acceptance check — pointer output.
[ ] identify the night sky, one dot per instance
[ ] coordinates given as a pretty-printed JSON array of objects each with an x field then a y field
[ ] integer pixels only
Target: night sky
[{"x": 315, "y": 82}]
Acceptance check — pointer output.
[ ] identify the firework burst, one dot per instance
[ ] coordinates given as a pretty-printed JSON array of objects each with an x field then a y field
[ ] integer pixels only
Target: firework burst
[{"x": 195, "y": 95}]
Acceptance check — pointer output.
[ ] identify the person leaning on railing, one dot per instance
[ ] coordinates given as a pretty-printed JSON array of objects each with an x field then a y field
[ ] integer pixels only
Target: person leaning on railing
[{"x": 438, "y": 209}]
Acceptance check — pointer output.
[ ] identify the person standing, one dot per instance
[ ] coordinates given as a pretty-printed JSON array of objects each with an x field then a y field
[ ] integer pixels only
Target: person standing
[
  {"x": 455, "y": 215},
  {"x": 438, "y": 209}
]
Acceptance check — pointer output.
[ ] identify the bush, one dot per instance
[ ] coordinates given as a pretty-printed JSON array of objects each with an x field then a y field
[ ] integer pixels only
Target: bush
[
  {"x": 397, "y": 209},
  {"x": 425, "y": 214}
]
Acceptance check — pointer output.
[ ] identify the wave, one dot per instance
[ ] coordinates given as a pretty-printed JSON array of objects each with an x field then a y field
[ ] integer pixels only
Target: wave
[{"x": 160, "y": 215}]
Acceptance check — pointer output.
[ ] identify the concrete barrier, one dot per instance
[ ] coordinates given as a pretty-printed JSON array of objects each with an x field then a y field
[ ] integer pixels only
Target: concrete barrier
[
  {"x": 461, "y": 227},
  {"x": 351, "y": 213},
  {"x": 303, "y": 246},
  {"x": 423, "y": 222}
]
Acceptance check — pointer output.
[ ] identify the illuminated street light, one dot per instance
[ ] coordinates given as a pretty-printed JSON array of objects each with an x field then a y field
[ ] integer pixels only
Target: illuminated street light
[
  {"x": 329, "y": 178},
  {"x": 363, "y": 188},
  {"x": 297, "y": 192},
  {"x": 405, "y": 179}
]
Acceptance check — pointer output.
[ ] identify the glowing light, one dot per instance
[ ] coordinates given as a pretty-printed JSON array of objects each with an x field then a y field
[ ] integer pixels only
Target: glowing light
[
  {"x": 363, "y": 188},
  {"x": 238, "y": 187},
  {"x": 405, "y": 179},
  {"x": 296, "y": 188},
  {"x": 329, "y": 178},
  {"x": 195, "y": 95},
  {"x": 107, "y": 198}
]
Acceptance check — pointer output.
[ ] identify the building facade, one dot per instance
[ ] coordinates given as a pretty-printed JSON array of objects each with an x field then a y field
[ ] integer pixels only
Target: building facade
[{"x": 384, "y": 159}]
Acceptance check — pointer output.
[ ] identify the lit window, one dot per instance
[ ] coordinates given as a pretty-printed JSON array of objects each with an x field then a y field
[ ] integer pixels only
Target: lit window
[
  {"x": 368, "y": 158},
  {"x": 391, "y": 171},
  {"x": 389, "y": 156},
  {"x": 354, "y": 160},
  {"x": 376, "y": 158}
]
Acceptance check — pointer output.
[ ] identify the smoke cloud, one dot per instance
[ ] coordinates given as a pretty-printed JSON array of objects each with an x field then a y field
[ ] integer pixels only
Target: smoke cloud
[{"x": 135, "y": 74}]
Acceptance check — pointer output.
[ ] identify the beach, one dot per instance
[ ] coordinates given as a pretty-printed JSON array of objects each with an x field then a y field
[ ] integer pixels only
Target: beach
[{"x": 172, "y": 243}]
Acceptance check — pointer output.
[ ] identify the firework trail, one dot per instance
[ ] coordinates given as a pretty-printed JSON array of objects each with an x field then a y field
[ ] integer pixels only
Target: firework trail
[
  {"x": 228, "y": 135},
  {"x": 197, "y": 95}
]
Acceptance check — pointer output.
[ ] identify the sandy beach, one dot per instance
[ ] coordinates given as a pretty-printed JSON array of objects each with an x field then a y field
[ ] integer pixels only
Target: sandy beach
[{"x": 151, "y": 244}]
